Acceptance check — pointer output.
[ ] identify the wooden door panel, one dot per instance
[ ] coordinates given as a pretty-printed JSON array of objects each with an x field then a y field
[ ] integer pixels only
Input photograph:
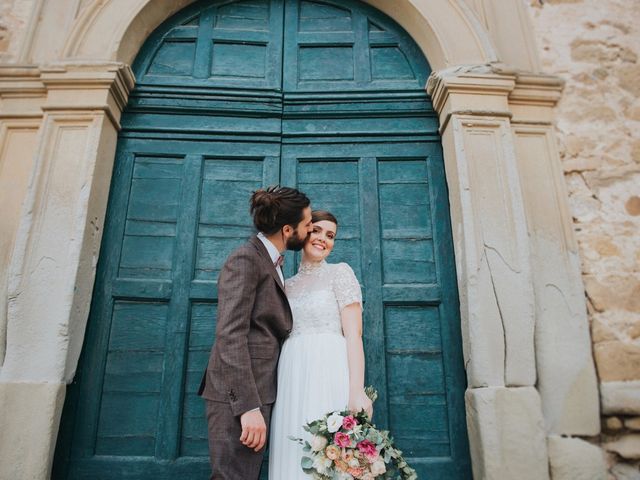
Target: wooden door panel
[
  {"x": 235, "y": 44},
  {"x": 332, "y": 185},
  {"x": 130, "y": 400},
  {"x": 224, "y": 221},
  {"x": 151, "y": 218},
  {"x": 347, "y": 46},
  {"x": 194, "y": 439}
]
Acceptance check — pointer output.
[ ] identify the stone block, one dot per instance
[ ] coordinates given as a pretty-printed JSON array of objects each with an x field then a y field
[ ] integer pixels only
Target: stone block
[
  {"x": 620, "y": 398},
  {"x": 29, "y": 415},
  {"x": 575, "y": 459},
  {"x": 613, "y": 423},
  {"x": 632, "y": 423},
  {"x": 628, "y": 78},
  {"x": 627, "y": 446},
  {"x": 624, "y": 471},
  {"x": 506, "y": 433},
  {"x": 632, "y": 205},
  {"x": 617, "y": 361},
  {"x": 614, "y": 292}
]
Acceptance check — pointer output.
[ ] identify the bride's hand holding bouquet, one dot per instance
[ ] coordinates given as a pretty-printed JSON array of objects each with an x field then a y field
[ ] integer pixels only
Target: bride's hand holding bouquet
[
  {"x": 359, "y": 401},
  {"x": 346, "y": 446}
]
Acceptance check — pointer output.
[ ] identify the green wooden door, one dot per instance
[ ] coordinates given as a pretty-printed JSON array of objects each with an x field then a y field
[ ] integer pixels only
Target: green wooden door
[{"x": 231, "y": 96}]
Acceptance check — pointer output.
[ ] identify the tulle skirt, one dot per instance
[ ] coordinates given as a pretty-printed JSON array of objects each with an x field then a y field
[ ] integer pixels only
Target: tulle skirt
[{"x": 313, "y": 379}]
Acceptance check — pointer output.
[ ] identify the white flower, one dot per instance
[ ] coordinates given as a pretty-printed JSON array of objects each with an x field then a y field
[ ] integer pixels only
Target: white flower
[
  {"x": 334, "y": 422},
  {"x": 321, "y": 464},
  {"x": 318, "y": 442},
  {"x": 354, "y": 463},
  {"x": 378, "y": 467}
]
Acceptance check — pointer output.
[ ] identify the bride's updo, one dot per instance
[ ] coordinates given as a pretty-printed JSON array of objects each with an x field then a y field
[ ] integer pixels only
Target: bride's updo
[
  {"x": 320, "y": 215},
  {"x": 274, "y": 207}
]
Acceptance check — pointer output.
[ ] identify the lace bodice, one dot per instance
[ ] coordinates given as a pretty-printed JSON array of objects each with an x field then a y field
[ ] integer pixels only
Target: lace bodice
[{"x": 318, "y": 293}]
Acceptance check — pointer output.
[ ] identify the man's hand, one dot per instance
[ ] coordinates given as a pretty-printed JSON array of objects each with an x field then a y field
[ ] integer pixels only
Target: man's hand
[{"x": 254, "y": 430}]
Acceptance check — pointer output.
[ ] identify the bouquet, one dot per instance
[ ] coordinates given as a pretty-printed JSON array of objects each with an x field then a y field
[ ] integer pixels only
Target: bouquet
[{"x": 346, "y": 446}]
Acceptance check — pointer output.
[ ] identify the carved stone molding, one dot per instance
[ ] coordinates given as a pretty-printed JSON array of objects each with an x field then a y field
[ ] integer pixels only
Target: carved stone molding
[{"x": 85, "y": 87}]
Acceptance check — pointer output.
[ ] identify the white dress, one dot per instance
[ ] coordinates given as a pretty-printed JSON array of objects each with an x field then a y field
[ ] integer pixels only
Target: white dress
[{"x": 313, "y": 372}]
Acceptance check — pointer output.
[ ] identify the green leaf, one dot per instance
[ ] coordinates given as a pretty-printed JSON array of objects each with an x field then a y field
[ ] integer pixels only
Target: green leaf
[
  {"x": 371, "y": 392},
  {"x": 306, "y": 462}
]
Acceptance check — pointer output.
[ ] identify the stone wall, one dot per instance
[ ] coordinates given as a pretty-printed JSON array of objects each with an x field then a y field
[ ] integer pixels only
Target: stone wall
[{"x": 594, "y": 45}]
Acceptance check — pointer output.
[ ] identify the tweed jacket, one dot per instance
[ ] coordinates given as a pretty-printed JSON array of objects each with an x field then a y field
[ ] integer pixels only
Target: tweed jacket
[{"x": 253, "y": 319}]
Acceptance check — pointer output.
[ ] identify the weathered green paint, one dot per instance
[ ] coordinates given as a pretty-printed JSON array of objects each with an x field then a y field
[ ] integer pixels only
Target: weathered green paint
[{"x": 231, "y": 96}]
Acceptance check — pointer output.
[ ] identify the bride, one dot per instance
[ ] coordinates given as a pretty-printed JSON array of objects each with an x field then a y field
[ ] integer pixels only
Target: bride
[{"x": 321, "y": 365}]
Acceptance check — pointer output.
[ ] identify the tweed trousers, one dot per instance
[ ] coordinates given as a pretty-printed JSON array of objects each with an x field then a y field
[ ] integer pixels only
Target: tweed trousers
[{"x": 230, "y": 459}]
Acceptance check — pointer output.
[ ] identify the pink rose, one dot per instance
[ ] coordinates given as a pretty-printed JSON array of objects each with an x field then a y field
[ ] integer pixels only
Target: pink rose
[
  {"x": 342, "y": 440},
  {"x": 349, "y": 422},
  {"x": 368, "y": 448},
  {"x": 356, "y": 472}
]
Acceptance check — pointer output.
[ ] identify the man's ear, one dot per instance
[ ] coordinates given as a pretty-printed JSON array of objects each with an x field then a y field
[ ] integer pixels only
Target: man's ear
[{"x": 287, "y": 230}]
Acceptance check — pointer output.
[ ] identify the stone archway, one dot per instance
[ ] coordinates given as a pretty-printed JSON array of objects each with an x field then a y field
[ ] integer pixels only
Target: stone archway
[{"x": 447, "y": 32}]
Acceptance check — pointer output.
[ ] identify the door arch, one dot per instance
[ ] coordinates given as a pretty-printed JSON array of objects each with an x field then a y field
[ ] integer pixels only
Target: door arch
[{"x": 231, "y": 96}]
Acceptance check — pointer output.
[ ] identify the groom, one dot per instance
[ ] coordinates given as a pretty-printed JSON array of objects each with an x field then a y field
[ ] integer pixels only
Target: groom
[{"x": 239, "y": 384}]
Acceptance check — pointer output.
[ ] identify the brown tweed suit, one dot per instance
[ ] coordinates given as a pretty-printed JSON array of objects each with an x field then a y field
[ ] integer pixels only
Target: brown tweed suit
[{"x": 253, "y": 319}]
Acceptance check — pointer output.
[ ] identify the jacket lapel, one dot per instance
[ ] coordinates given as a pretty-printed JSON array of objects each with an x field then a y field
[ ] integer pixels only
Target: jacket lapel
[{"x": 264, "y": 254}]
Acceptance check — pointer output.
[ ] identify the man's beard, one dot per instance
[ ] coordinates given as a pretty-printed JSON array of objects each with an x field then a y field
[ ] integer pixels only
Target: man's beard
[{"x": 294, "y": 243}]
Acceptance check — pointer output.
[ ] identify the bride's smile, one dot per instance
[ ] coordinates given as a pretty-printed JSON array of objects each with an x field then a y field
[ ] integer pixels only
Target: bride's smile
[{"x": 320, "y": 241}]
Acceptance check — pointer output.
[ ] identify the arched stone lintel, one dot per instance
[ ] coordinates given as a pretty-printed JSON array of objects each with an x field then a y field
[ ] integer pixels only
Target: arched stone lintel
[{"x": 447, "y": 32}]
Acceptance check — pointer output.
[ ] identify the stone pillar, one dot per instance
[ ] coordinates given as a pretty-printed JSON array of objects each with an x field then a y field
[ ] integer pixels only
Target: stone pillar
[
  {"x": 566, "y": 375},
  {"x": 53, "y": 265},
  {"x": 21, "y": 96},
  {"x": 504, "y": 415}
]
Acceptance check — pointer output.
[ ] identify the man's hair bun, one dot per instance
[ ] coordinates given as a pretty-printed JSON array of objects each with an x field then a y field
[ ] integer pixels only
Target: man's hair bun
[{"x": 274, "y": 207}]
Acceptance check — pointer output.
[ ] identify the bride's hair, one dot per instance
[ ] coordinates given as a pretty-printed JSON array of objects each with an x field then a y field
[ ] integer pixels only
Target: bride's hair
[
  {"x": 320, "y": 215},
  {"x": 274, "y": 207}
]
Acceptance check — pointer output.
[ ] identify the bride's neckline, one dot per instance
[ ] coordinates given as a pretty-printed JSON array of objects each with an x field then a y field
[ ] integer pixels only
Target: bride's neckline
[{"x": 310, "y": 267}]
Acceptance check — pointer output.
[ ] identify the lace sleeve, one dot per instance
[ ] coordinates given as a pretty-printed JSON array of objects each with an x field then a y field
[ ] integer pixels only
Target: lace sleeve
[{"x": 346, "y": 286}]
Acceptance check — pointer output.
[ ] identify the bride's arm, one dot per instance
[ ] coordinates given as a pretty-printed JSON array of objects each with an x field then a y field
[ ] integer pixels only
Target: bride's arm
[{"x": 352, "y": 329}]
